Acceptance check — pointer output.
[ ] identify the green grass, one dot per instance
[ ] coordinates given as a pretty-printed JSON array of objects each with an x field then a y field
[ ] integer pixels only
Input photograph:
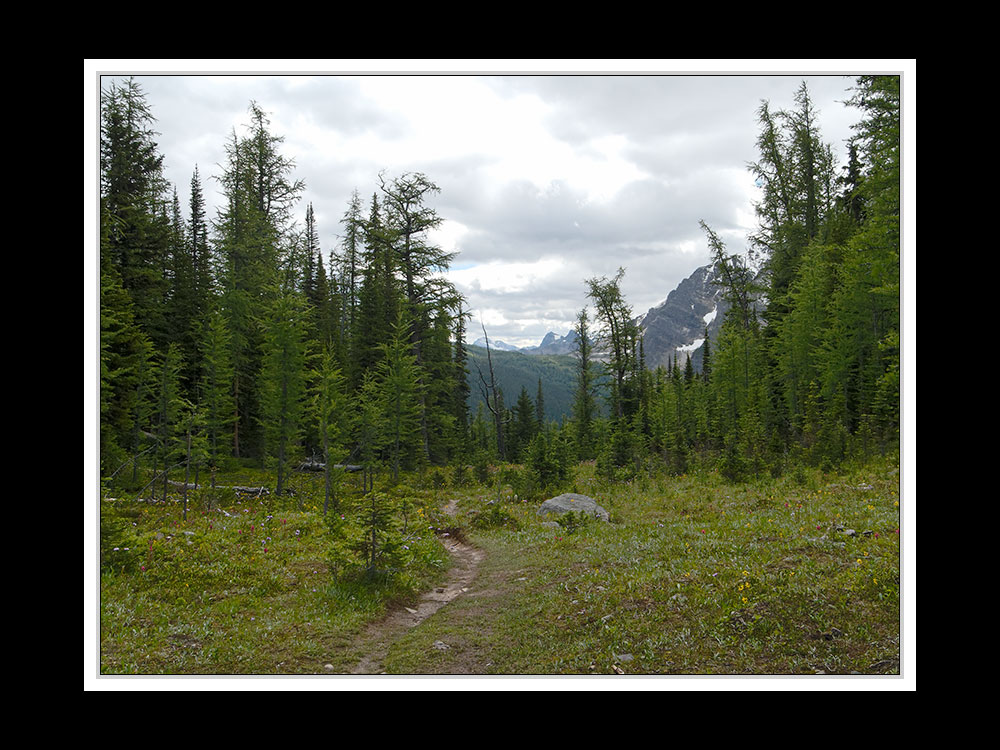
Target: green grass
[
  {"x": 692, "y": 576},
  {"x": 244, "y": 588}
]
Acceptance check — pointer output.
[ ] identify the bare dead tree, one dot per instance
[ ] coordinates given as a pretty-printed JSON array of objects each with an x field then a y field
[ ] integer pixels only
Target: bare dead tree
[{"x": 493, "y": 397}]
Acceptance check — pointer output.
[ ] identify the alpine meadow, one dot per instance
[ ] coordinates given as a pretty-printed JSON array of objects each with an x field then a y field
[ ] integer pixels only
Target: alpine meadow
[{"x": 306, "y": 468}]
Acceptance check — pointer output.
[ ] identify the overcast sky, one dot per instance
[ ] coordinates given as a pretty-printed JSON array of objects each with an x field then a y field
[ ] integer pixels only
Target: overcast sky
[{"x": 546, "y": 180}]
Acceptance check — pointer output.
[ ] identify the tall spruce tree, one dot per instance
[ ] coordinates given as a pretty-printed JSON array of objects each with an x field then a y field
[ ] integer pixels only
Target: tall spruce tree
[
  {"x": 523, "y": 426},
  {"x": 135, "y": 224},
  {"x": 350, "y": 259},
  {"x": 379, "y": 298}
]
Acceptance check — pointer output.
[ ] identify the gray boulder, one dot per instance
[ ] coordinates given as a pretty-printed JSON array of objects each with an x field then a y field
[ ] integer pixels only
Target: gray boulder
[{"x": 573, "y": 502}]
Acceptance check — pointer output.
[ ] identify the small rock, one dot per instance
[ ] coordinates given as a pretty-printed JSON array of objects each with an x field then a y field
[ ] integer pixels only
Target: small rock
[{"x": 441, "y": 645}]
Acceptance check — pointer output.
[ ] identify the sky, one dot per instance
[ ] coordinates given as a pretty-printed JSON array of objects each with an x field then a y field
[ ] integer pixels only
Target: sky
[{"x": 548, "y": 176}]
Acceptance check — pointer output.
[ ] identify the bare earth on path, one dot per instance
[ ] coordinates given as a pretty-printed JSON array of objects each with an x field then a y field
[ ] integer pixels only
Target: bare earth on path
[{"x": 380, "y": 635}]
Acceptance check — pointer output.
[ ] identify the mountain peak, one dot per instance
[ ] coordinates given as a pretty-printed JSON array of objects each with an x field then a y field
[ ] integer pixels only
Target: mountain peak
[{"x": 677, "y": 325}]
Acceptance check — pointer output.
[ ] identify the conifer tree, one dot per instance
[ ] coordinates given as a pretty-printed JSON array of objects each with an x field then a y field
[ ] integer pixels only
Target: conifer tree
[
  {"x": 870, "y": 283},
  {"x": 254, "y": 231},
  {"x": 199, "y": 244},
  {"x": 438, "y": 382},
  {"x": 283, "y": 378},
  {"x": 409, "y": 220},
  {"x": 216, "y": 395},
  {"x": 369, "y": 426},
  {"x": 460, "y": 393},
  {"x": 399, "y": 380},
  {"x": 523, "y": 426},
  {"x": 171, "y": 408},
  {"x": 619, "y": 335},
  {"x": 706, "y": 359},
  {"x": 125, "y": 356},
  {"x": 135, "y": 225},
  {"x": 378, "y": 298},
  {"x": 184, "y": 308},
  {"x": 311, "y": 257},
  {"x": 584, "y": 402},
  {"x": 351, "y": 257},
  {"x": 539, "y": 408},
  {"x": 324, "y": 313},
  {"x": 330, "y": 413},
  {"x": 736, "y": 363}
]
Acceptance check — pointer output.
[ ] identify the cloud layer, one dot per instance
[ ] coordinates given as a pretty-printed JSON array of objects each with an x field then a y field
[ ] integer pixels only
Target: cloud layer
[{"x": 545, "y": 181}]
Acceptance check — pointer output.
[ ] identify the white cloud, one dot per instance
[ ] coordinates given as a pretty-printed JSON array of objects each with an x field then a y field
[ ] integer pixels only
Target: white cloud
[
  {"x": 508, "y": 278},
  {"x": 545, "y": 181}
]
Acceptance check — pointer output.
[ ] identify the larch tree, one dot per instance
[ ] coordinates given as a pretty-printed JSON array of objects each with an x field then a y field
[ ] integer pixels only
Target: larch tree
[
  {"x": 400, "y": 388},
  {"x": 619, "y": 334},
  {"x": 409, "y": 220},
  {"x": 330, "y": 411}
]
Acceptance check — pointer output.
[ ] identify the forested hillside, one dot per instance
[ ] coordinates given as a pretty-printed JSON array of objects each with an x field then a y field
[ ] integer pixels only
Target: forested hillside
[
  {"x": 239, "y": 338},
  {"x": 517, "y": 371}
]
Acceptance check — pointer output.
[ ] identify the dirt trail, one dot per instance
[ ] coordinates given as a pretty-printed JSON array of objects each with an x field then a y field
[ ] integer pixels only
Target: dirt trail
[{"x": 380, "y": 636}]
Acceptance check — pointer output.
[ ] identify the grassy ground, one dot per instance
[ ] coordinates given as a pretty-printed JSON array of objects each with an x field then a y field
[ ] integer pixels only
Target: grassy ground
[
  {"x": 243, "y": 588},
  {"x": 692, "y": 576}
]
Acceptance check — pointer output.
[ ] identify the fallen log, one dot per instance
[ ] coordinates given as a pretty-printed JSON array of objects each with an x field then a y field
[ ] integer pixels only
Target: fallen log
[
  {"x": 250, "y": 491},
  {"x": 255, "y": 491}
]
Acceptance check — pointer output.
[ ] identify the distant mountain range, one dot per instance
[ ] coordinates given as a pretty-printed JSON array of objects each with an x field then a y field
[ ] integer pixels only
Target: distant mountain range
[
  {"x": 675, "y": 327},
  {"x": 551, "y": 344}
]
